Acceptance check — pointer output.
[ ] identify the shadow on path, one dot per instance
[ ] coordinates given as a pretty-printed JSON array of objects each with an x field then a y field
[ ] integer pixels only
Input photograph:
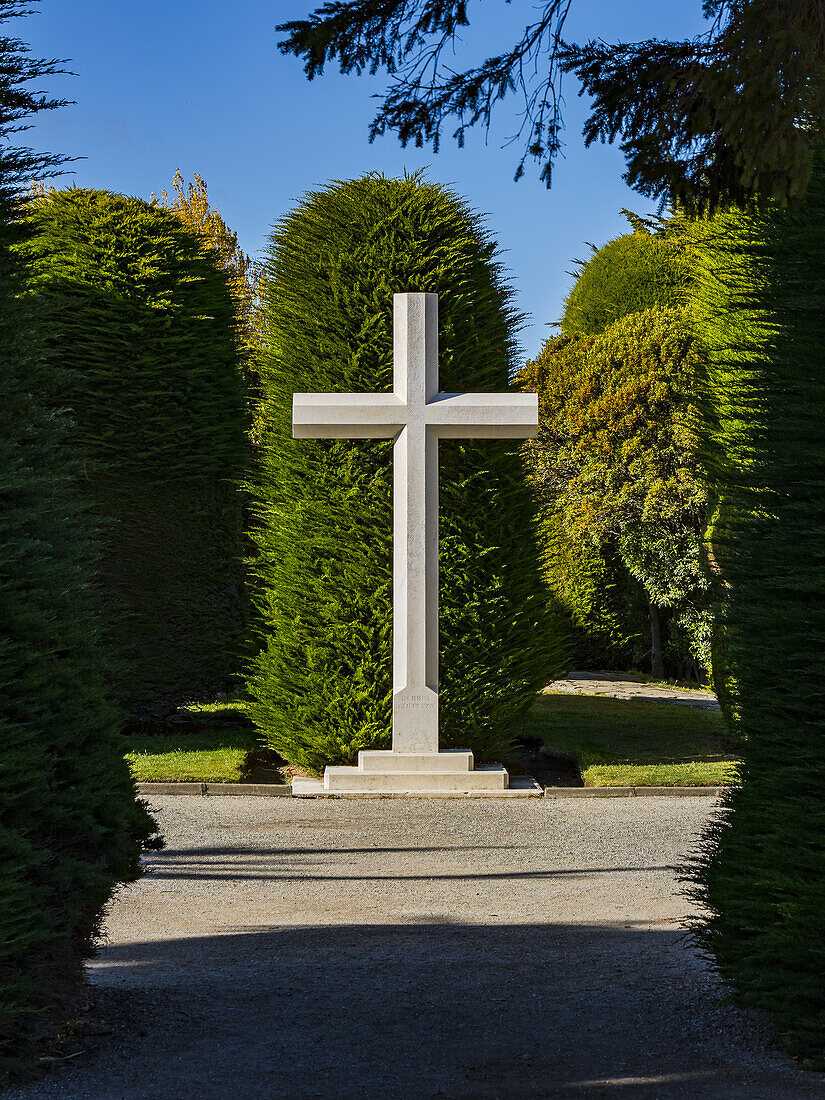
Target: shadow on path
[{"x": 417, "y": 1011}]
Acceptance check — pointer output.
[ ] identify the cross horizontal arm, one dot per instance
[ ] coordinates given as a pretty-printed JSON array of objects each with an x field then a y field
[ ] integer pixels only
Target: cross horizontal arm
[
  {"x": 347, "y": 415},
  {"x": 484, "y": 415}
]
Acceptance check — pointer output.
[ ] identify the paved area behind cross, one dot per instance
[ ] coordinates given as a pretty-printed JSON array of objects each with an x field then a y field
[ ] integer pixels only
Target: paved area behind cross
[{"x": 393, "y": 948}]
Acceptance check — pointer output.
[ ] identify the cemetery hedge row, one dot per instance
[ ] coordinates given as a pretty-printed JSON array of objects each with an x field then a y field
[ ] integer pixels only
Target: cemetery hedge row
[
  {"x": 321, "y": 687},
  {"x": 760, "y": 307},
  {"x": 69, "y": 824},
  {"x": 142, "y": 319}
]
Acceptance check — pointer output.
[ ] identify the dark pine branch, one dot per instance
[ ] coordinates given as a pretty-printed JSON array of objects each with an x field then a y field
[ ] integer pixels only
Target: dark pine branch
[
  {"x": 18, "y": 102},
  {"x": 370, "y": 34},
  {"x": 408, "y": 39},
  {"x": 731, "y": 114}
]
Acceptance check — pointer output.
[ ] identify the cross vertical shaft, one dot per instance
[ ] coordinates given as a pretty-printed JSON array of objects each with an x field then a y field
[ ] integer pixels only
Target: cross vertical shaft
[{"x": 415, "y": 544}]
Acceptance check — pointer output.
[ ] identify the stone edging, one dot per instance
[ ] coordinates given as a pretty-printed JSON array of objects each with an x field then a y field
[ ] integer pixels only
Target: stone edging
[
  {"x": 265, "y": 790},
  {"x": 283, "y": 790},
  {"x": 634, "y": 792}
]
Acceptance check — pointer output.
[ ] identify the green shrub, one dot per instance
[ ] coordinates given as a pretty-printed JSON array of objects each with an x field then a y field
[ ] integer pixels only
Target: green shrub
[
  {"x": 602, "y": 608},
  {"x": 760, "y": 308},
  {"x": 631, "y": 273},
  {"x": 143, "y": 324},
  {"x": 615, "y": 464},
  {"x": 69, "y": 824},
  {"x": 322, "y": 685}
]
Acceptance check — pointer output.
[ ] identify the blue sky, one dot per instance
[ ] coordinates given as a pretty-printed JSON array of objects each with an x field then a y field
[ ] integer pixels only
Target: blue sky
[{"x": 199, "y": 85}]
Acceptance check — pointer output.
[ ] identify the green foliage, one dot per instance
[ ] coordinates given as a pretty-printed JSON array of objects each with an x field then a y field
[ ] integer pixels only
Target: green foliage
[
  {"x": 760, "y": 307},
  {"x": 637, "y": 271},
  {"x": 723, "y": 117},
  {"x": 142, "y": 320},
  {"x": 615, "y": 461},
  {"x": 322, "y": 685},
  {"x": 603, "y": 608},
  {"x": 69, "y": 824},
  {"x": 18, "y": 102}
]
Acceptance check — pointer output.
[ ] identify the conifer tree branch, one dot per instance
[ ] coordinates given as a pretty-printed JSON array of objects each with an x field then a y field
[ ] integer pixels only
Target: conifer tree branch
[
  {"x": 730, "y": 114},
  {"x": 18, "y": 102}
]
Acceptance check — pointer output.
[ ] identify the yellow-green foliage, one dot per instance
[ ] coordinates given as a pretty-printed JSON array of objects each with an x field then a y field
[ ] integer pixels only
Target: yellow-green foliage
[
  {"x": 616, "y": 459},
  {"x": 322, "y": 685},
  {"x": 142, "y": 319},
  {"x": 629, "y": 274}
]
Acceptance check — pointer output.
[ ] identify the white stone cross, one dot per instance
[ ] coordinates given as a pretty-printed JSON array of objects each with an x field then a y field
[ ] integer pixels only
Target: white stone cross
[{"x": 415, "y": 415}]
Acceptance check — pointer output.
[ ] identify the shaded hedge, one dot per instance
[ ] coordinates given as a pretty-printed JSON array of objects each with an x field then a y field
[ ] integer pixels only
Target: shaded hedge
[
  {"x": 70, "y": 827},
  {"x": 322, "y": 685},
  {"x": 602, "y": 610},
  {"x": 144, "y": 326},
  {"x": 760, "y": 307}
]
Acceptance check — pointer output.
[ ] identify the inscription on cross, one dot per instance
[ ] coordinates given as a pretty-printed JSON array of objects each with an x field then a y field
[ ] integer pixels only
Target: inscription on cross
[{"x": 415, "y": 415}]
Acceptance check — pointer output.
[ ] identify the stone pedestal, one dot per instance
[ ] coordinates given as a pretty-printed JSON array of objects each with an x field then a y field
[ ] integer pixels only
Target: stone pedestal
[{"x": 433, "y": 774}]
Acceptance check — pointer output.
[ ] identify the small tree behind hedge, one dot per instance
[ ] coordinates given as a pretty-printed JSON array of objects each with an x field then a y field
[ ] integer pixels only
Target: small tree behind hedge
[
  {"x": 760, "y": 309},
  {"x": 143, "y": 323},
  {"x": 322, "y": 685}
]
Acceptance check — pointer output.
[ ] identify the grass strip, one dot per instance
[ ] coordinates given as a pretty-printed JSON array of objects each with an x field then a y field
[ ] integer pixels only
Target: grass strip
[
  {"x": 635, "y": 743},
  {"x": 213, "y": 756}
]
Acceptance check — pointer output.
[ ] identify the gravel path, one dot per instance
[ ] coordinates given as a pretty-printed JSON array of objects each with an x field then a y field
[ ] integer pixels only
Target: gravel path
[
  {"x": 624, "y": 685},
  {"x": 415, "y": 949}
]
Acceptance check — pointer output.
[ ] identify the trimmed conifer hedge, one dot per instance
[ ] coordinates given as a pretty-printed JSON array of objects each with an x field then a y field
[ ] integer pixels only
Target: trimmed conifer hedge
[
  {"x": 631, "y": 273},
  {"x": 69, "y": 824},
  {"x": 322, "y": 684},
  {"x": 142, "y": 320},
  {"x": 760, "y": 306},
  {"x": 607, "y": 609}
]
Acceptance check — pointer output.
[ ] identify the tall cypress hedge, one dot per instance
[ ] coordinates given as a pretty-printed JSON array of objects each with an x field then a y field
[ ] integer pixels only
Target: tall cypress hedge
[
  {"x": 322, "y": 684},
  {"x": 70, "y": 827},
  {"x": 142, "y": 320},
  {"x": 760, "y": 306}
]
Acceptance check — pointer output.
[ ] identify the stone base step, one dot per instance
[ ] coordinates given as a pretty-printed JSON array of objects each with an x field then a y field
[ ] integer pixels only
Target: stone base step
[
  {"x": 386, "y": 761},
  {"x": 519, "y": 787},
  {"x": 342, "y": 779}
]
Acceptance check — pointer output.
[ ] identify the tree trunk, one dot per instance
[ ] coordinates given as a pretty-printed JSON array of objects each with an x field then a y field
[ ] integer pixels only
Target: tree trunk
[{"x": 657, "y": 665}]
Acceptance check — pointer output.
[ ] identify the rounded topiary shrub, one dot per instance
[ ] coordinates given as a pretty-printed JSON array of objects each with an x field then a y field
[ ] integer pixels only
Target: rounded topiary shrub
[
  {"x": 634, "y": 272},
  {"x": 322, "y": 684},
  {"x": 142, "y": 319}
]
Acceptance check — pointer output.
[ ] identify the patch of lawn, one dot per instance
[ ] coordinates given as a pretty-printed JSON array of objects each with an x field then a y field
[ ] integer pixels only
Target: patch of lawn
[
  {"x": 634, "y": 743},
  {"x": 228, "y": 708},
  {"x": 211, "y": 756}
]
